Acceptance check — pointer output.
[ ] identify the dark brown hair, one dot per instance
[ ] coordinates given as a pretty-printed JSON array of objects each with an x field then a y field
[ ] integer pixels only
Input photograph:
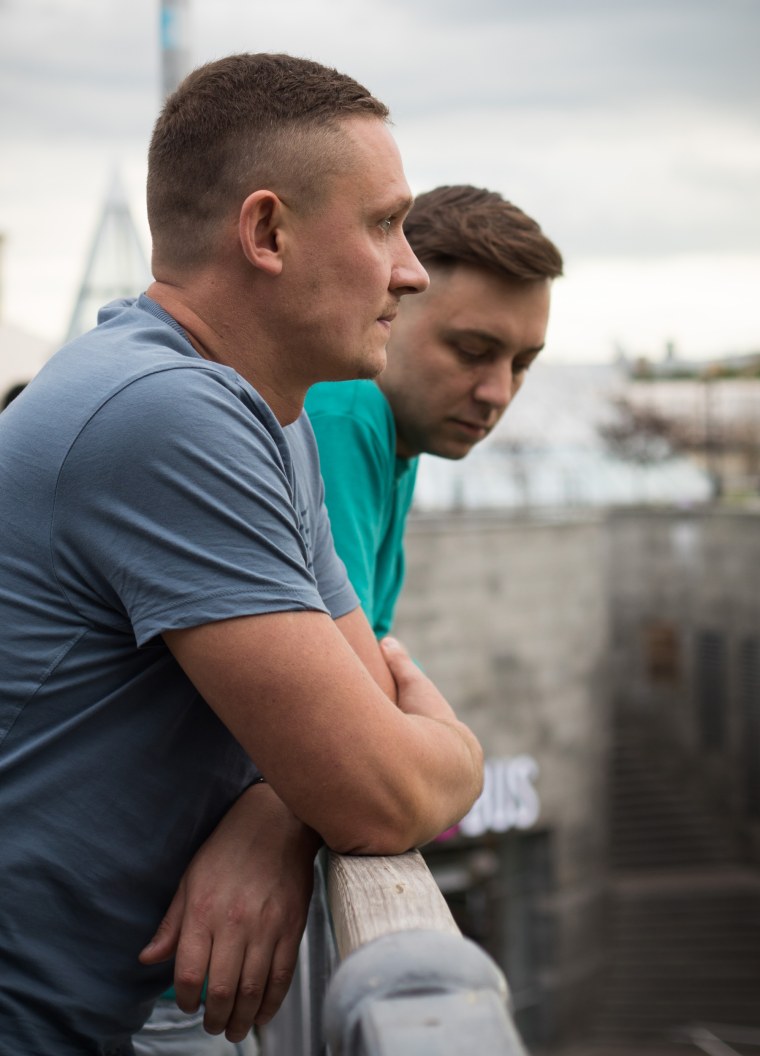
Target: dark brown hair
[
  {"x": 239, "y": 124},
  {"x": 469, "y": 225}
]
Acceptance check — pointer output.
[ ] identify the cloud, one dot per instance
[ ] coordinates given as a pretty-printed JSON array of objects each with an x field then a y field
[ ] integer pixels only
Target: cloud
[
  {"x": 77, "y": 69},
  {"x": 704, "y": 303},
  {"x": 642, "y": 182},
  {"x": 629, "y": 130}
]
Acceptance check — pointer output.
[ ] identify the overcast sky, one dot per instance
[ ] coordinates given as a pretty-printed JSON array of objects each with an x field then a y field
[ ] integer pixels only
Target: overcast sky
[{"x": 630, "y": 129}]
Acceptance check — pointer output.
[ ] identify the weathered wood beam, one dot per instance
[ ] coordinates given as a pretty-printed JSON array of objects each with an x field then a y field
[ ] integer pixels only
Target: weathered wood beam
[{"x": 372, "y": 897}]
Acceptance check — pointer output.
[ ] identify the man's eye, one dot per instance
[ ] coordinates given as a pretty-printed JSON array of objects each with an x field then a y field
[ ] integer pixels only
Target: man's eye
[{"x": 386, "y": 224}]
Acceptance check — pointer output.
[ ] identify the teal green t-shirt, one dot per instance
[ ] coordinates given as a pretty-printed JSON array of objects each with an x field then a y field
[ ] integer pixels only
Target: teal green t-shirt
[{"x": 368, "y": 490}]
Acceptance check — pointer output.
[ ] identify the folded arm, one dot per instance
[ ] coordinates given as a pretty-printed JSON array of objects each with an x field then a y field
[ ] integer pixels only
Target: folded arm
[{"x": 369, "y": 777}]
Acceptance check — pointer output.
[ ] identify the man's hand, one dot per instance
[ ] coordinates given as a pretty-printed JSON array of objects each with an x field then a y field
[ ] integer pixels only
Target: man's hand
[
  {"x": 239, "y": 914},
  {"x": 416, "y": 694}
]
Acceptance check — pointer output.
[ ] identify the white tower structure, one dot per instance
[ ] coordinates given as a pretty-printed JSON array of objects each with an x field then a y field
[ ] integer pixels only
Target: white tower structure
[{"x": 117, "y": 265}]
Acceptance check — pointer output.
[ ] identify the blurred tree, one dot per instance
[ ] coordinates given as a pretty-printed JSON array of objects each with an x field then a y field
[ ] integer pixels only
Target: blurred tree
[{"x": 640, "y": 434}]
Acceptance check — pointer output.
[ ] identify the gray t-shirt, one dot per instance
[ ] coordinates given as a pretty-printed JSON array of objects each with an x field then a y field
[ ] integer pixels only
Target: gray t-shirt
[{"x": 143, "y": 489}]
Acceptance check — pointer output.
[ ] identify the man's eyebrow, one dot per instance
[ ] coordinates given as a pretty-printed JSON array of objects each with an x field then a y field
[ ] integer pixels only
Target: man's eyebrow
[
  {"x": 472, "y": 331},
  {"x": 491, "y": 339}
]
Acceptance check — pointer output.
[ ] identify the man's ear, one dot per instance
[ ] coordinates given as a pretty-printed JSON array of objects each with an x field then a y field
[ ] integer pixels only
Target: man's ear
[{"x": 259, "y": 230}]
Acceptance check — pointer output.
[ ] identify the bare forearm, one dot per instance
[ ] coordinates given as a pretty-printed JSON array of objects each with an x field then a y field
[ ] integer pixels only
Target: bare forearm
[{"x": 359, "y": 635}]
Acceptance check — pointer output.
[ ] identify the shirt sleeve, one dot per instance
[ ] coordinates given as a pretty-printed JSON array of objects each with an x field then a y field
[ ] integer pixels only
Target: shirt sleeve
[{"x": 175, "y": 507}]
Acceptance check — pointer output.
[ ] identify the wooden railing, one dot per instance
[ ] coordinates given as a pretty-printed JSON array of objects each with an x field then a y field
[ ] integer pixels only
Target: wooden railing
[
  {"x": 385, "y": 971},
  {"x": 373, "y": 897}
]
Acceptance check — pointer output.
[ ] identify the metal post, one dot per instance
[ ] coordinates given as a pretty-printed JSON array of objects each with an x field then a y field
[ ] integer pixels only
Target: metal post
[{"x": 175, "y": 44}]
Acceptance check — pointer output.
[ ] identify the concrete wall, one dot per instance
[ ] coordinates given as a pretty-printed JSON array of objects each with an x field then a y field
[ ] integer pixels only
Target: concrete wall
[{"x": 510, "y": 618}]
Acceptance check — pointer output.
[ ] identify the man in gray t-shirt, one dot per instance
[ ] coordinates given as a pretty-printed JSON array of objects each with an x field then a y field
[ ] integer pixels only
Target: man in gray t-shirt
[
  {"x": 174, "y": 624},
  {"x": 127, "y": 543}
]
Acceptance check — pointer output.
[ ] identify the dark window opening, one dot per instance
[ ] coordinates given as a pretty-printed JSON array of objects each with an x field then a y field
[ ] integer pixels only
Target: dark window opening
[
  {"x": 663, "y": 657},
  {"x": 710, "y": 689}
]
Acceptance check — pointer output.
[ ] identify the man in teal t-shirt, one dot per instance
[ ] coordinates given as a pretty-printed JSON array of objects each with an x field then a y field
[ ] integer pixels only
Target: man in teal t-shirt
[{"x": 457, "y": 356}]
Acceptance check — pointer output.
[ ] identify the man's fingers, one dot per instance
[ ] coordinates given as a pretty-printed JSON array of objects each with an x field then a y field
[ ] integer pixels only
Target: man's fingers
[
  {"x": 191, "y": 966},
  {"x": 280, "y": 977},
  {"x": 220, "y": 1000},
  {"x": 396, "y": 656},
  {"x": 400, "y": 664},
  {"x": 163, "y": 944},
  {"x": 235, "y": 993},
  {"x": 262, "y": 990}
]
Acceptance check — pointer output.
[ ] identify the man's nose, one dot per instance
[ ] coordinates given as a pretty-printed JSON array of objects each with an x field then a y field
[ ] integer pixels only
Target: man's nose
[
  {"x": 408, "y": 275},
  {"x": 496, "y": 386}
]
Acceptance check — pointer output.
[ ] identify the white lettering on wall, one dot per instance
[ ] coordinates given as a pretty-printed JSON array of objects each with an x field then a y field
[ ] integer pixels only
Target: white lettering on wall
[{"x": 509, "y": 799}]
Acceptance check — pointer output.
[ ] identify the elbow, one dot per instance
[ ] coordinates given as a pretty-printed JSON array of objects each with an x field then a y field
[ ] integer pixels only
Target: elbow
[
  {"x": 398, "y": 826},
  {"x": 375, "y": 829},
  {"x": 378, "y": 845},
  {"x": 378, "y": 841},
  {"x": 403, "y": 806}
]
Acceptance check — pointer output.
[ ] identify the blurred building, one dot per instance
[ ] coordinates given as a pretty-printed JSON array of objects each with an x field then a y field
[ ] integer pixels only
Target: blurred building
[{"x": 712, "y": 418}]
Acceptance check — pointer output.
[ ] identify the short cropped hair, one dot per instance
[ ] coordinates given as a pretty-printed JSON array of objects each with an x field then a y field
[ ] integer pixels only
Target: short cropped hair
[
  {"x": 240, "y": 124},
  {"x": 470, "y": 225}
]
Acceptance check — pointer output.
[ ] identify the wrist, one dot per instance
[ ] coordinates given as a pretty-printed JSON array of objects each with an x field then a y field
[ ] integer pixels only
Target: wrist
[{"x": 280, "y": 819}]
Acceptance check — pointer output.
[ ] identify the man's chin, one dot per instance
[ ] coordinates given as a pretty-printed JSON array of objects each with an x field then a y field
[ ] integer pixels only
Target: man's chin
[
  {"x": 456, "y": 443},
  {"x": 371, "y": 366},
  {"x": 360, "y": 370},
  {"x": 367, "y": 373},
  {"x": 452, "y": 452}
]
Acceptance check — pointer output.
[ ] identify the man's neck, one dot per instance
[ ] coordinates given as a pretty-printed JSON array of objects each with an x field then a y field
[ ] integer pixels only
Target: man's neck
[{"x": 233, "y": 345}]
